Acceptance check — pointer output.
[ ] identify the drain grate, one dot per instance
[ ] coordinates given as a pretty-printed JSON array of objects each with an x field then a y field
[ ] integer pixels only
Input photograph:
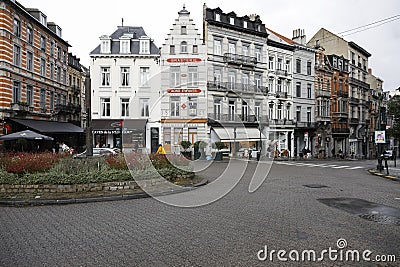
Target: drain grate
[{"x": 315, "y": 185}]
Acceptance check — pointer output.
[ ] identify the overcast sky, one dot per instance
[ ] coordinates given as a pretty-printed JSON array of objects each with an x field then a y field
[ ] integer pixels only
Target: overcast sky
[{"x": 83, "y": 22}]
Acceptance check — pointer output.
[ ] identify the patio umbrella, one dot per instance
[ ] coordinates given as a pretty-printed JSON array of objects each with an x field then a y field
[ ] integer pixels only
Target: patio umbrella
[{"x": 27, "y": 134}]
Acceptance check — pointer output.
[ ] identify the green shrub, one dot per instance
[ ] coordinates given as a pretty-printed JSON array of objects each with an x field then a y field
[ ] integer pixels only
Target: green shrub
[{"x": 20, "y": 163}]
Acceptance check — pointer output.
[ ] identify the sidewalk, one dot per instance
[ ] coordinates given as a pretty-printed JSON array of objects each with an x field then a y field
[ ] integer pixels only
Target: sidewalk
[{"x": 394, "y": 172}]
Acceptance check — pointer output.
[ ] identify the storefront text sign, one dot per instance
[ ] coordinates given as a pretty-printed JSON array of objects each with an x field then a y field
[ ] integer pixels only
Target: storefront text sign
[{"x": 183, "y": 60}]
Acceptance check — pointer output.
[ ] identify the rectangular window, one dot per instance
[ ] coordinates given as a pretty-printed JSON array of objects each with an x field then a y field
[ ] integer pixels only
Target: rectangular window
[
  {"x": 232, "y": 48},
  {"x": 231, "y": 110},
  {"x": 172, "y": 49},
  {"x": 51, "y": 48},
  {"x": 271, "y": 85},
  {"x": 124, "y": 107},
  {"x": 193, "y": 76},
  {"x": 298, "y": 113},
  {"x": 258, "y": 54},
  {"x": 217, "y": 76},
  {"x": 65, "y": 77},
  {"x": 175, "y": 102},
  {"x": 280, "y": 64},
  {"x": 231, "y": 80},
  {"x": 309, "y": 91},
  {"x": 192, "y": 106},
  {"x": 192, "y": 133},
  {"x": 245, "y": 50},
  {"x": 298, "y": 89},
  {"x": 279, "y": 86},
  {"x": 217, "y": 47},
  {"x": 257, "y": 81},
  {"x": 42, "y": 98},
  {"x": 245, "y": 111},
  {"x": 59, "y": 53},
  {"x": 144, "y": 76},
  {"x": 29, "y": 94},
  {"x": 144, "y": 107},
  {"x": 16, "y": 92},
  {"x": 124, "y": 76},
  {"x": 184, "y": 47},
  {"x": 271, "y": 63},
  {"x": 183, "y": 30},
  {"x": 232, "y": 21},
  {"x": 144, "y": 46},
  {"x": 217, "y": 109},
  {"x": 279, "y": 111},
  {"x": 29, "y": 35},
  {"x": 271, "y": 110},
  {"x": 257, "y": 111},
  {"x": 195, "y": 49},
  {"x": 42, "y": 67},
  {"x": 308, "y": 115},
  {"x": 245, "y": 81},
  {"x": 58, "y": 69},
  {"x": 17, "y": 55},
  {"x": 218, "y": 17},
  {"x": 298, "y": 65},
  {"x": 105, "y": 107},
  {"x": 17, "y": 28},
  {"x": 308, "y": 67},
  {"x": 244, "y": 24},
  {"x": 105, "y": 76},
  {"x": 52, "y": 100},
  {"x": 43, "y": 43},
  {"x": 175, "y": 79},
  {"x": 287, "y": 66}
]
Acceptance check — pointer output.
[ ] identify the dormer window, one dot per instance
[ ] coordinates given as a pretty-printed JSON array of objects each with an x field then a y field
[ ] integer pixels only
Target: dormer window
[
  {"x": 218, "y": 17},
  {"x": 43, "y": 19},
  {"x": 144, "y": 45},
  {"x": 244, "y": 24},
  {"x": 124, "y": 45},
  {"x": 105, "y": 45},
  {"x": 232, "y": 21}
]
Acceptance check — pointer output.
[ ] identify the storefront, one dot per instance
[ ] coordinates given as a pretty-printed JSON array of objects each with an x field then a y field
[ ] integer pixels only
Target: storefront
[{"x": 127, "y": 134}]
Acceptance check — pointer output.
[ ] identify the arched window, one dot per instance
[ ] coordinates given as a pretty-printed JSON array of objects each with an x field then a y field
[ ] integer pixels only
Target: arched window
[{"x": 184, "y": 47}]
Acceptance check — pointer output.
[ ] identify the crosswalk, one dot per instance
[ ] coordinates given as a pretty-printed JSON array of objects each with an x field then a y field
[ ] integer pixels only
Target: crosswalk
[{"x": 320, "y": 165}]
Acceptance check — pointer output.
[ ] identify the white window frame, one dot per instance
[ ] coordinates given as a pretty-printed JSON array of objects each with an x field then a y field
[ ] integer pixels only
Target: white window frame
[
  {"x": 192, "y": 76},
  {"x": 105, "y": 76},
  {"x": 124, "y": 107},
  {"x": 217, "y": 47},
  {"x": 17, "y": 55},
  {"x": 192, "y": 103},
  {"x": 125, "y": 73},
  {"x": 144, "y": 104},
  {"x": 144, "y": 76},
  {"x": 43, "y": 67},
  {"x": 175, "y": 106},
  {"x": 105, "y": 107},
  {"x": 184, "y": 47},
  {"x": 175, "y": 76}
]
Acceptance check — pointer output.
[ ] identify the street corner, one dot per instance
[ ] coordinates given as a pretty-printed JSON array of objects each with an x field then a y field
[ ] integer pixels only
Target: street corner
[{"x": 390, "y": 177}]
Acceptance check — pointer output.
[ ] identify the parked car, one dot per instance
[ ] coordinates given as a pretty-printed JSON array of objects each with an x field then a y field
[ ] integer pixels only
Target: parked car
[
  {"x": 388, "y": 154},
  {"x": 97, "y": 152}
]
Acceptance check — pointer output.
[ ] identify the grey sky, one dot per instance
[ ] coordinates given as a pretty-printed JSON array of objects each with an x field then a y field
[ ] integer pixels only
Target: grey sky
[{"x": 83, "y": 22}]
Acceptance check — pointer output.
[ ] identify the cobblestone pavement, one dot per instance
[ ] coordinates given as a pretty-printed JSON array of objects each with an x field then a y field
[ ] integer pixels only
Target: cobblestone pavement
[{"x": 282, "y": 214}]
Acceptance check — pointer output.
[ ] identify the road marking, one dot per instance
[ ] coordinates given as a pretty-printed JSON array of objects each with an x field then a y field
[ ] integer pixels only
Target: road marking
[
  {"x": 354, "y": 168},
  {"x": 397, "y": 198},
  {"x": 340, "y": 167}
]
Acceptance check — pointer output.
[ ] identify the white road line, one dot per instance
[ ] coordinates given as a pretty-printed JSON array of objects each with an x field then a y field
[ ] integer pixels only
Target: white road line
[
  {"x": 397, "y": 198},
  {"x": 354, "y": 168},
  {"x": 330, "y": 166},
  {"x": 340, "y": 167}
]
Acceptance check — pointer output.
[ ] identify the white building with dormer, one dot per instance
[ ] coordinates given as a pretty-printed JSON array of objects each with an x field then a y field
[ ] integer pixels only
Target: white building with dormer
[{"x": 125, "y": 90}]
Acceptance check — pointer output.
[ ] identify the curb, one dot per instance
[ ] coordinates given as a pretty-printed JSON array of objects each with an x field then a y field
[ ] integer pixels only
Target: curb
[
  {"x": 390, "y": 177},
  {"x": 42, "y": 202}
]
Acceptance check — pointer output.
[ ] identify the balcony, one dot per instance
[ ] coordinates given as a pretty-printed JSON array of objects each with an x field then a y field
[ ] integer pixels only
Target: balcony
[
  {"x": 355, "y": 120},
  {"x": 340, "y": 114},
  {"x": 305, "y": 124},
  {"x": 354, "y": 100},
  {"x": 240, "y": 59},
  {"x": 323, "y": 93},
  {"x": 20, "y": 106},
  {"x": 76, "y": 89},
  {"x": 281, "y": 95},
  {"x": 236, "y": 87},
  {"x": 68, "y": 108},
  {"x": 340, "y": 130},
  {"x": 359, "y": 83},
  {"x": 281, "y": 73},
  {"x": 342, "y": 94}
]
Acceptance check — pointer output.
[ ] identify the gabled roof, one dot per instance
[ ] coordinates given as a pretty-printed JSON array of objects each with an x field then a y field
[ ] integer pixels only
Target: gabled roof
[
  {"x": 134, "y": 33},
  {"x": 272, "y": 33}
]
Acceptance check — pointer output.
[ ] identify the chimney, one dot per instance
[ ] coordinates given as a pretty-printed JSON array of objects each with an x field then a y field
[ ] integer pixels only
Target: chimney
[{"x": 299, "y": 36}]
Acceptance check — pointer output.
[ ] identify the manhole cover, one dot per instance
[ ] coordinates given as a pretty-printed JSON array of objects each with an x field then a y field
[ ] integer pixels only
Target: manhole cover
[
  {"x": 315, "y": 185},
  {"x": 370, "y": 211}
]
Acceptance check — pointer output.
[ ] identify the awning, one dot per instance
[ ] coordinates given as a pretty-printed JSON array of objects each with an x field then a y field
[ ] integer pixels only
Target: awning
[
  {"x": 113, "y": 126},
  {"x": 50, "y": 126},
  {"x": 227, "y": 134},
  {"x": 27, "y": 134}
]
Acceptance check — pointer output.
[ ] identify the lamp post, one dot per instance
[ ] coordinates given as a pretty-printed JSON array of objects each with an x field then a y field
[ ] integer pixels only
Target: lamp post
[{"x": 234, "y": 142}]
